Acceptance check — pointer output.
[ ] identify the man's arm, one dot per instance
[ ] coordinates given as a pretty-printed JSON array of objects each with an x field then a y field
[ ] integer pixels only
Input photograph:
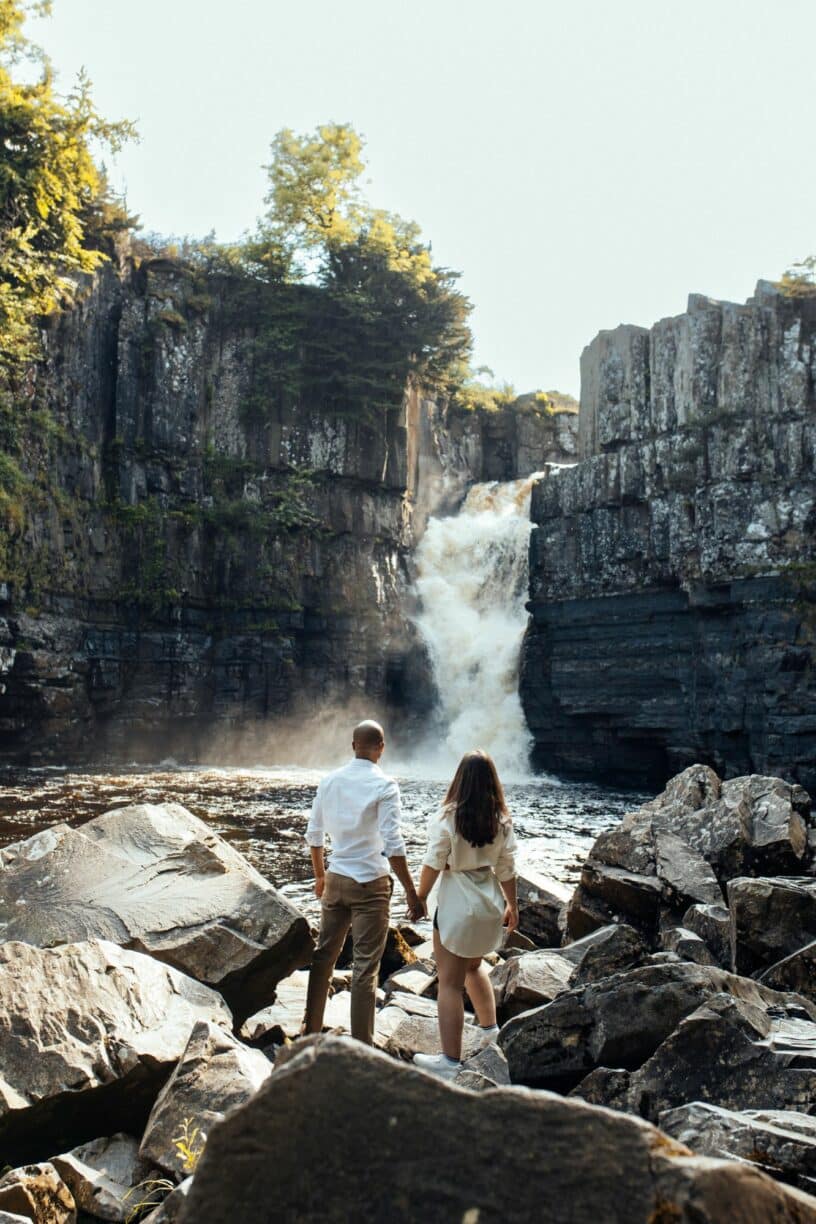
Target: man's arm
[
  {"x": 388, "y": 817},
  {"x": 315, "y": 837}
]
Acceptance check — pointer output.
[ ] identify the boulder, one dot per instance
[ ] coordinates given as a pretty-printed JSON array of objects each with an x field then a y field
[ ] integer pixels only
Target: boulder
[
  {"x": 780, "y": 1142},
  {"x": 419, "y": 979},
  {"x": 214, "y": 1075},
  {"x": 156, "y": 879},
  {"x": 101, "y": 1174},
  {"x": 37, "y": 1192},
  {"x": 542, "y": 906},
  {"x": 687, "y": 945},
  {"x": 796, "y": 972},
  {"x": 281, "y": 1019},
  {"x": 430, "y": 1154},
  {"x": 617, "y": 1022},
  {"x": 606, "y": 950},
  {"x": 586, "y": 913},
  {"x": 713, "y": 924},
  {"x": 88, "y": 1034},
  {"x": 736, "y": 1052},
  {"x": 528, "y": 980},
  {"x": 170, "y": 1209},
  {"x": 684, "y": 873},
  {"x": 489, "y": 1064},
  {"x": 770, "y": 919},
  {"x": 414, "y": 1005},
  {"x": 420, "y": 1035},
  {"x": 636, "y": 896}
]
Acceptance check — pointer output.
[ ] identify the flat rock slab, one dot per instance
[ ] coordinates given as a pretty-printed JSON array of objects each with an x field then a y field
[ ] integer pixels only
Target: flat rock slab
[
  {"x": 431, "y": 1155},
  {"x": 780, "y": 1142},
  {"x": 155, "y": 878},
  {"x": 88, "y": 1034},
  {"x": 214, "y": 1075},
  {"x": 617, "y": 1022},
  {"x": 37, "y": 1193},
  {"x": 101, "y": 1174}
]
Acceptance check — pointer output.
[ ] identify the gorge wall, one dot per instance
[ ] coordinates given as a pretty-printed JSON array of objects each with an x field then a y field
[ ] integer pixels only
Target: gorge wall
[
  {"x": 198, "y": 534},
  {"x": 673, "y": 570}
]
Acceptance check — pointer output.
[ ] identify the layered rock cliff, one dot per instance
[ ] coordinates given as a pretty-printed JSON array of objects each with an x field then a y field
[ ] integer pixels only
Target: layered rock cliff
[
  {"x": 200, "y": 531},
  {"x": 673, "y": 570}
]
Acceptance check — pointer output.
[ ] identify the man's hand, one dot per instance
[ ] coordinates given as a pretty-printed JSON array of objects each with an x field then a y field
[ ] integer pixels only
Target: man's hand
[
  {"x": 319, "y": 885},
  {"x": 417, "y": 908}
]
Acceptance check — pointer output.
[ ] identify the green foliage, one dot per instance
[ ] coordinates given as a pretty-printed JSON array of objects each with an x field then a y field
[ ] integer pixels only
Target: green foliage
[
  {"x": 474, "y": 396},
  {"x": 800, "y": 280},
  {"x": 49, "y": 188}
]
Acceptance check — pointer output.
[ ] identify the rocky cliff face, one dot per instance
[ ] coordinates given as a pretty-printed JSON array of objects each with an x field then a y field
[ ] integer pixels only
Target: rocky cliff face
[
  {"x": 197, "y": 532},
  {"x": 673, "y": 570}
]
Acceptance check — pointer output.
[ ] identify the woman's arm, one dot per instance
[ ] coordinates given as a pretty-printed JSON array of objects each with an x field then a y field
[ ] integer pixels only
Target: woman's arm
[
  {"x": 511, "y": 914},
  {"x": 426, "y": 882}
]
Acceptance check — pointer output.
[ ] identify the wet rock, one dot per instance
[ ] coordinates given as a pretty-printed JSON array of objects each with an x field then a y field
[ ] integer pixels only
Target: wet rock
[
  {"x": 528, "y": 980},
  {"x": 585, "y": 1165},
  {"x": 734, "y": 1051},
  {"x": 37, "y": 1192},
  {"x": 88, "y": 1034},
  {"x": 687, "y": 945},
  {"x": 796, "y": 972},
  {"x": 770, "y": 919},
  {"x": 100, "y": 1176},
  {"x": 542, "y": 906},
  {"x": 214, "y": 1075},
  {"x": 607, "y": 950},
  {"x": 779, "y": 1142},
  {"x": 713, "y": 924},
  {"x": 616, "y": 1022},
  {"x": 155, "y": 878}
]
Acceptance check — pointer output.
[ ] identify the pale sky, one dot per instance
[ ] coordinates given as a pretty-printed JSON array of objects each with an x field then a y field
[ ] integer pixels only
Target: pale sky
[{"x": 582, "y": 162}]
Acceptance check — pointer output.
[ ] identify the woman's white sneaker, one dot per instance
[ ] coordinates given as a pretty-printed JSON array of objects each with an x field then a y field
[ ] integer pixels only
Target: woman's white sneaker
[
  {"x": 438, "y": 1064},
  {"x": 487, "y": 1036}
]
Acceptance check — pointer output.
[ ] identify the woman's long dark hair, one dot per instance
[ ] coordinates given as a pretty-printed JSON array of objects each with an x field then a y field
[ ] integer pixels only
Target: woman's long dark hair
[{"x": 476, "y": 799}]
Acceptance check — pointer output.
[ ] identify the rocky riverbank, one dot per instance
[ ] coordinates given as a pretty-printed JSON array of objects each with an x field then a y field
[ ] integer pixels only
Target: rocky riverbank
[
  {"x": 152, "y": 985},
  {"x": 672, "y": 570}
]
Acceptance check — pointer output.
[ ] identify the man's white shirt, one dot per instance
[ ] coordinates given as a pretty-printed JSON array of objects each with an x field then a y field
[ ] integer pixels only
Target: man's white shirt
[{"x": 359, "y": 807}]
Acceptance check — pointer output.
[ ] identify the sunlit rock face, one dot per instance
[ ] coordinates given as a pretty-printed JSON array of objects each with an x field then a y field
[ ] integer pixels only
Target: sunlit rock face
[
  {"x": 673, "y": 570},
  {"x": 212, "y": 538}
]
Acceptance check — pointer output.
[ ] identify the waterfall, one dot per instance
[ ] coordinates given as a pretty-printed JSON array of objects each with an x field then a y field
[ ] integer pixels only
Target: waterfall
[{"x": 472, "y": 572}]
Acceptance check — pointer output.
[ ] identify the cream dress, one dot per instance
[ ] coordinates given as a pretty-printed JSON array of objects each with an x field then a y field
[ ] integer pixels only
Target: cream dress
[{"x": 470, "y": 903}]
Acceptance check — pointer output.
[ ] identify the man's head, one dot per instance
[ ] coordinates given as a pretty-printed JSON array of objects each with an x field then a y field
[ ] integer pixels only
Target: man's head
[{"x": 368, "y": 741}]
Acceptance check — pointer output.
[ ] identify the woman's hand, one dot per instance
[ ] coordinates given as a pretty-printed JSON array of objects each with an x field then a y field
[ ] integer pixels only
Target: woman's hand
[{"x": 511, "y": 917}]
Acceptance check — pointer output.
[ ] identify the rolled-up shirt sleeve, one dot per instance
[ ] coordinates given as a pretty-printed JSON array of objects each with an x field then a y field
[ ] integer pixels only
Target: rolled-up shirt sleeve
[
  {"x": 315, "y": 834},
  {"x": 506, "y": 862},
  {"x": 389, "y": 811},
  {"x": 439, "y": 846}
]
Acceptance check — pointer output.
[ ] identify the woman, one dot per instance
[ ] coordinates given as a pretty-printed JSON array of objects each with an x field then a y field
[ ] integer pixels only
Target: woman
[{"x": 473, "y": 844}]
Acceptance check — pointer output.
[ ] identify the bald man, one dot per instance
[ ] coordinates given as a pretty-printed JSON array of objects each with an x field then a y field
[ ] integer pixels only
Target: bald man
[{"x": 359, "y": 807}]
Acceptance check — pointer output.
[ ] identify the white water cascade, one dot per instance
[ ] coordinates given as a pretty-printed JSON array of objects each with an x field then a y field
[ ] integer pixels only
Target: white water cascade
[{"x": 472, "y": 573}]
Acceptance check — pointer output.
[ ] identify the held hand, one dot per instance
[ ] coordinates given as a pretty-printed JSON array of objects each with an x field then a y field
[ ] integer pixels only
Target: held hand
[
  {"x": 417, "y": 908},
  {"x": 511, "y": 918},
  {"x": 319, "y": 885}
]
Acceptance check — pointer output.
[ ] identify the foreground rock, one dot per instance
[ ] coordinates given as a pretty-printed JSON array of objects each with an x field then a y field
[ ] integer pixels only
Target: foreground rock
[
  {"x": 779, "y": 1142},
  {"x": 680, "y": 850},
  {"x": 617, "y": 1022},
  {"x": 88, "y": 1034},
  {"x": 155, "y": 878},
  {"x": 214, "y": 1075},
  {"x": 38, "y": 1193},
  {"x": 430, "y": 1154}
]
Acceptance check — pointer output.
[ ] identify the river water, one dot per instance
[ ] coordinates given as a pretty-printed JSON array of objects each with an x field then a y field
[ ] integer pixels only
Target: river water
[{"x": 263, "y": 812}]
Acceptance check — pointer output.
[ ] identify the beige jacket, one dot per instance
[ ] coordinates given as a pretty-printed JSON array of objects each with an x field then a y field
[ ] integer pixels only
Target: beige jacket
[{"x": 447, "y": 848}]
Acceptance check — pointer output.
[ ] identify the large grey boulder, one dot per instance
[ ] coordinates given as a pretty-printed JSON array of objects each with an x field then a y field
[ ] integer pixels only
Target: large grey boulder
[
  {"x": 542, "y": 906},
  {"x": 528, "y": 980},
  {"x": 616, "y": 1022},
  {"x": 88, "y": 1034},
  {"x": 770, "y": 919},
  {"x": 214, "y": 1075},
  {"x": 780, "y": 1142},
  {"x": 606, "y": 950},
  {"x": 155, "y": 878},
  {"x": 429, "y": 1153}
]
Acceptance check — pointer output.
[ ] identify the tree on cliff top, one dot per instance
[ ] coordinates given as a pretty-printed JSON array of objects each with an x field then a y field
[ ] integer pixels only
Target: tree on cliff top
[
  {"x": 52, "y": 194},
  {"x": 372, "y": 263}
]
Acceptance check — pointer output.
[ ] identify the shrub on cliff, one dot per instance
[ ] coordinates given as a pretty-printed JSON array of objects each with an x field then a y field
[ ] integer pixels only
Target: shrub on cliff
[{"x": 52, "y": 195}]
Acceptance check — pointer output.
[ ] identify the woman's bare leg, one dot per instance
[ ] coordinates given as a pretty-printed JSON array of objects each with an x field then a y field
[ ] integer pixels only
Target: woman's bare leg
[
  {"x": 480, "y": 993},
  {"x": 452, "y": 970}
]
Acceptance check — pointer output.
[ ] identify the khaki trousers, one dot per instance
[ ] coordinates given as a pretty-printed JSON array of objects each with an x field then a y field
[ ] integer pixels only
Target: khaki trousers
[{"x": 364, "y": 908}]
